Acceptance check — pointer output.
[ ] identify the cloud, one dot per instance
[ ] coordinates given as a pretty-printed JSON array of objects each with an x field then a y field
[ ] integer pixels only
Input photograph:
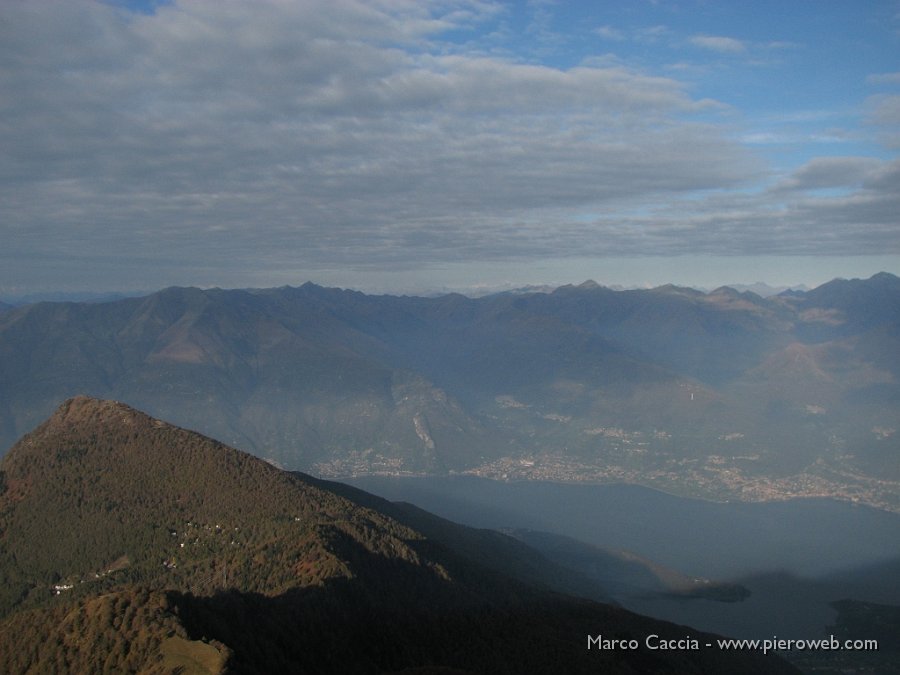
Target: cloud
[
  {"x": 224, "y": 138},
  {"x": 833, "y": 172},
  {"x": 328, "y": 129},
  {"x": 861, "y": 220},
  {"x": 609, "y": 33},
  {"x": 885, "y": 109},
  {"x": 723, "y": 45},
  {"x": 651, "y": 34},
  {"x": 781, "y": 44},
  {"x": 884, "y": 78},
  {"x": 884, "y": 115}
]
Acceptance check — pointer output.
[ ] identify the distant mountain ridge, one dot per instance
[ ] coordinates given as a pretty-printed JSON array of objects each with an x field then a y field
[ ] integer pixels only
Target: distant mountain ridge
[
  {"x": 764, "y": 290},
  {"x": 726, "y": 394},
  {"x": 131, "y": 545}
]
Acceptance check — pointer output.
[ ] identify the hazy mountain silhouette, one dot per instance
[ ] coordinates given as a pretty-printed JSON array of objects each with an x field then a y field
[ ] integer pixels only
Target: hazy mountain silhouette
[{"x": 344, "y": 383}]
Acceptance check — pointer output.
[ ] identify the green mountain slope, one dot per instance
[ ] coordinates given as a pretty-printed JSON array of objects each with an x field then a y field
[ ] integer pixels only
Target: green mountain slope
[{"x": 130, "y": 545}]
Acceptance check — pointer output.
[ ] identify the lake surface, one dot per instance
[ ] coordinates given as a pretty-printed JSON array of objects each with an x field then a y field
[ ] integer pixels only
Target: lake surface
[
  {"x": 803, "y": 537},
  {"x": 794, "y": 556}
]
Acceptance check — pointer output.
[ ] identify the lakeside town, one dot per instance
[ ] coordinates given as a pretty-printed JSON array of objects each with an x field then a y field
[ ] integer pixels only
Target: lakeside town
[{"x": 714, "y": 477}]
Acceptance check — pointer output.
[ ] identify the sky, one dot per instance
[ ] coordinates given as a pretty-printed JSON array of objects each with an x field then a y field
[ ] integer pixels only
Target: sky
[{"x": 409, "y": 146}]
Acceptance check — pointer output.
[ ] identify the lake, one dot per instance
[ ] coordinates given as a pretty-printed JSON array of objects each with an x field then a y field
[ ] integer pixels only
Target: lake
[{"x": 795, "y": 556}]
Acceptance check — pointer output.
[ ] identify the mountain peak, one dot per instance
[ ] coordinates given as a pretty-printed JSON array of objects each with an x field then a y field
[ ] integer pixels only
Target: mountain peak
[
  {"x": 82, "y": 415},
  {"x": 110, "y": 481},
  {"x": 885, "y": 277},
  {"x": 81, "y": 409},
  {"x": 589, "y": 285},
  {"x": 726, "y": 290},
  {"x": 672, "y": 289}
]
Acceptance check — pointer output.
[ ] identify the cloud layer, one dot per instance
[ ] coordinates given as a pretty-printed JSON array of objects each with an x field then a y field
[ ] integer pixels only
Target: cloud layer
[{"x": 219, "y": 135}]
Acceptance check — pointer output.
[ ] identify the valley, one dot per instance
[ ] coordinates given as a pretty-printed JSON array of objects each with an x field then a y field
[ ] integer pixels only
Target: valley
[{"x": 721, "y": 395}]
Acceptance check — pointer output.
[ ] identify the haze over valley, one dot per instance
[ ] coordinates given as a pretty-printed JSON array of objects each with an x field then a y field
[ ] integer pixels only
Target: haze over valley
[{"x": 722, "y": 395}]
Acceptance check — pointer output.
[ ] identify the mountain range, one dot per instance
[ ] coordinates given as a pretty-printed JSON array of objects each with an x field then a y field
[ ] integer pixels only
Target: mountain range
[
  {"x": 725, "y": 395},
  {"x": 131, "y": 545}
]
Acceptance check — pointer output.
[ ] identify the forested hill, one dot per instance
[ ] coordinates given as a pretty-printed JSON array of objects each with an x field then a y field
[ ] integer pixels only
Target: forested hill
[{"x": 130, "y": 545}]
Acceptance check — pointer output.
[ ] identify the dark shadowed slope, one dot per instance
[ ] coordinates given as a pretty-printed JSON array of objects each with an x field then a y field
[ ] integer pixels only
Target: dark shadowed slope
[{"x": 487, "y": 548}]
